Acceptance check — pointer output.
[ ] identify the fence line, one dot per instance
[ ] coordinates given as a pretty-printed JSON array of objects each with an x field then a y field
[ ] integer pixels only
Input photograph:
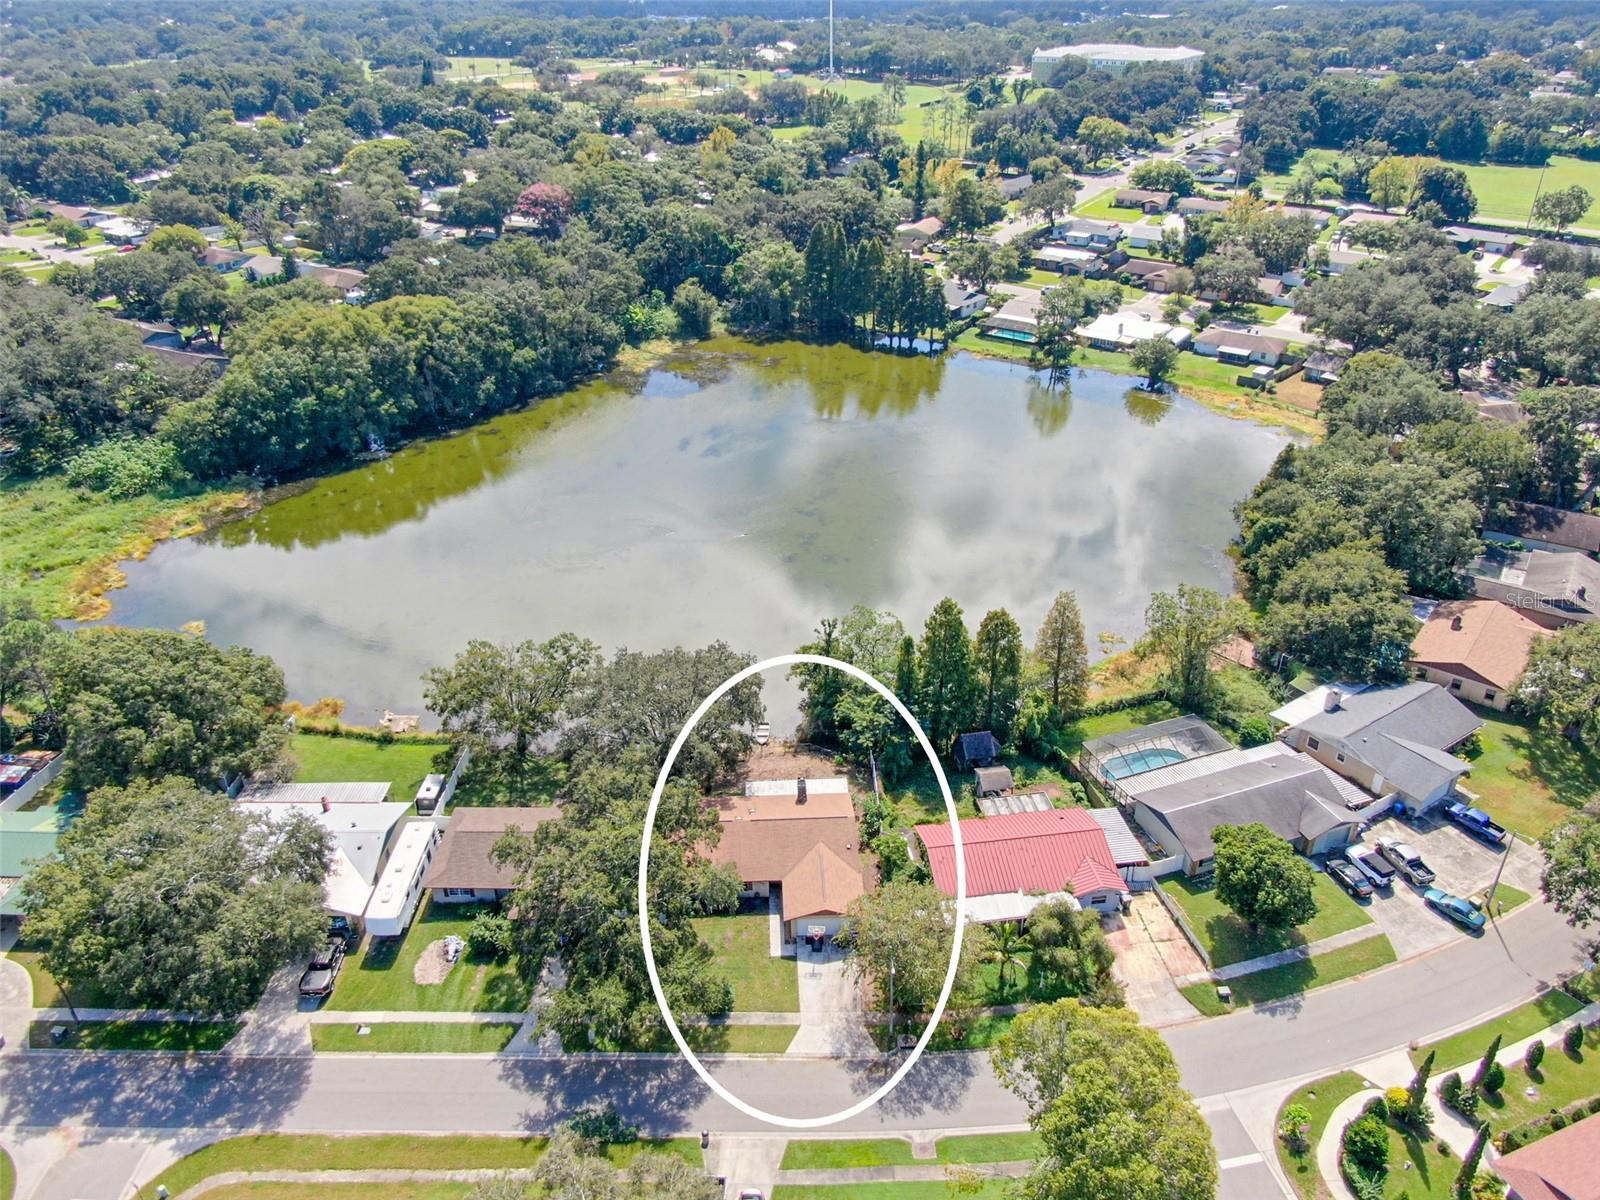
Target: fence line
[{"x": 1182, "y": 922}]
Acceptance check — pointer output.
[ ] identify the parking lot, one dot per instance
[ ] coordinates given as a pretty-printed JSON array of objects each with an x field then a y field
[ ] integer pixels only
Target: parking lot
[{"x": 1462, "y": 865}]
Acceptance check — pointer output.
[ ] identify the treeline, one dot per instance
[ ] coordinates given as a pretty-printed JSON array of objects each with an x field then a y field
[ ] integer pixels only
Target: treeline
[{"x": 1337, "y": 534}]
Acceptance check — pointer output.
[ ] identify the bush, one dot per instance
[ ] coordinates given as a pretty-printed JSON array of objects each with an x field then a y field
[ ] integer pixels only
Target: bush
[
  {"x": 124, "y": 466},
  {"x": 1533, "y": 1056},
  {"x": 1494, "y": 1078},
  {"x": 1292, "y": 1128},
  {"x": 1366, "y": 1143},
  {"x": 1377, "y": 1107},
  {"x": 1255, "y": 731},
  {"x": 604, "y": 1125},
  {"x": 1450, "y": 1089},
  {"x": 1572, "y": 1041},
  {"x": 489, "y": 936},
  {"x": 1467, "y": 1103},
  {"x": 1398, "y": 1099}
]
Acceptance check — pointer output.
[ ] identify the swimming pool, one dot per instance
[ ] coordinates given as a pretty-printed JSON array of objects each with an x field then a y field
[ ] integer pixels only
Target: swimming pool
[{"x": 1137, "y": 762}]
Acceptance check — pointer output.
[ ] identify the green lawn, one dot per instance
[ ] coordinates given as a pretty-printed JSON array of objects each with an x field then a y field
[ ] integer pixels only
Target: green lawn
[
  {"x": 1320, "y": 1098},
  {"x": 1505, "y": 193},
  {"x": 428, "y": 1190},
  {"x": 1419, "y": 1169},
  {"x": 466, "y": 66},
  {"x": 379, "y": 976},
  {"x": 135, "y": 1035},
  {"x": 739, "y": 947},
  {"x": 1524, "y": 1021},
  {"x": 979, "y": 1033},
  {"x": 401, "y": 763},
  {"x": 1260, "y": 987},
  {"x": 989, "y": 1147},
  {"x": 8, "y": 1176},
  {"x": 497, "y": 781},
  {"x": 1019, "y": 988},
  {"x": 1528, "y": 777},
  {"x": 413, "y": 1037},
  {"x": 917, "y": 799},
  {"x": 47, "y": 992},
  {"x": 420, "y": 1152},
  {"x": 702, "y": 1039},
  {"x": 1560, "y": 1080},
  {"x": 810, "y": 1155},
  {"x": 988, "y": 1189},
  {"x": 805, "y": 1155},
  {"x": 1229, "y": 940}
]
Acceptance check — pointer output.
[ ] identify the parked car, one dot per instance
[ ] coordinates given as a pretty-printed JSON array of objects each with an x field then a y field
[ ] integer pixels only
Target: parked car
[
  {"x": 1373, "y": 865},
  {"x": 1477, "y": 822},
  {"x": 1406, "y": 860},
  {"x": 342, "y": 929},
  {"x": 322, "y": 971},
  {"x": 1462, "y": 912},
  {"x": 1348, "y": 876}
]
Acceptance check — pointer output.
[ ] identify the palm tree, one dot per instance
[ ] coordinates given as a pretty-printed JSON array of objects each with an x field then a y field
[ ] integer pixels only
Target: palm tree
[{"x": 1005, "y": 949}]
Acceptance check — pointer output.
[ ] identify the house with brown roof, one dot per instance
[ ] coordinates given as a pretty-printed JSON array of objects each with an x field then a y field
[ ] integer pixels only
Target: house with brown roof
[
  {"x": 1542, "y": 527},
  {"x": 1142, "y": 198},
  {"x": 795, "y": 840},
  {"x": 1476, "y": 649},
  {"x": 1563, "y": 1166},
  {"x": 464, "y": 869}
]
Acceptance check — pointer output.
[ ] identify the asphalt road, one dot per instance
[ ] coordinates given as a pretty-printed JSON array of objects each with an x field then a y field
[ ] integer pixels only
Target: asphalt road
[{"x": 1324, "y": 1029}]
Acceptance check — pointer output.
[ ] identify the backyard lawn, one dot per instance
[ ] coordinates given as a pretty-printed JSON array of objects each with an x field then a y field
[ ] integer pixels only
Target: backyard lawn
[
  {"x": 1229, "y": 940},
  {"x": 739, "y": 947},
  {"x": 1320, "y": 1099},
  {"x": 134, "y": 1035},
  {"x": 400, "y": 763},
  {"x": 1528, "y": 777},
  {"x": 1261, "y": 987},
  {"x": 413, "y": 1037},
  {"x": 379, "y": 977}
]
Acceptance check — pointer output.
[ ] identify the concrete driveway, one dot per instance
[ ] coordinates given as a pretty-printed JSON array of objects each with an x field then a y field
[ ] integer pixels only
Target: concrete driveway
[
  {"x": 1463, "y": 865},
  {"x": 831, "y": 1006},
  {"x": 1151, "y": 953}
]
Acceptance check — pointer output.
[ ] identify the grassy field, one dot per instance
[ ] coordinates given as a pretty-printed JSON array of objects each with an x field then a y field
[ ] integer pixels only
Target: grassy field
[
  {"x": 413, "y": 1037},
  {"x": 469, "y": 66},
  {"x": 1418, "y": 1168},
  {"x": 1524, "y": 1021},
  {"x": 1229, "y": 940},
  {"x": 135, "y": 1035},
  {"x": 1528, "y": 777},
  {"x": 1261, "y": 987},
  {"x": 379, "y": 976},
  {"x": 739, "y": 946},
  {"x": 8, "y": 1176},
  {"x": 455, "y": 1152},
  {"x": 988, "y": 1189},
  {"x": 809, "y": 1155},
  {"x": 401, "y": 763},
  {"x": 63, "y": 544},
  {"x": 1320, "y": 1099}
]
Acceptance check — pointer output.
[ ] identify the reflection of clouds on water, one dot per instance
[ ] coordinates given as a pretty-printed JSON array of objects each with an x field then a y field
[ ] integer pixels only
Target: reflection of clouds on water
[{"x": 746, "y": 509}]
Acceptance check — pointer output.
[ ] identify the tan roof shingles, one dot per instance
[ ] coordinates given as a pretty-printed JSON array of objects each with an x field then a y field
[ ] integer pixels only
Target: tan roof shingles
[
  {"x": 822, "y": 882},
  {"x": 777, "y": 839},
  {"x": 1490, "y": 646},
  {"x": 465, "y": 858}
]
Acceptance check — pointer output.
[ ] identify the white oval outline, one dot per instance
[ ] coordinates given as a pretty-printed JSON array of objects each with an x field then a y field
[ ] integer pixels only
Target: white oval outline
[{"x": 750, "y": 1110}]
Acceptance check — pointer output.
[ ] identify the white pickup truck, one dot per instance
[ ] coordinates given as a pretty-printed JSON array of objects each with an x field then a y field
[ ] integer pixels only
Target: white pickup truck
[
  {"x": 1406, "y": 860},
  {"x": 1373, "y": 865}
]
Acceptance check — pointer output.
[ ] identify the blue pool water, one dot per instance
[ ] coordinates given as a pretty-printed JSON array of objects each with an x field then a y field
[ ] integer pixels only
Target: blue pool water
[{"x": 1137, "y": 762}]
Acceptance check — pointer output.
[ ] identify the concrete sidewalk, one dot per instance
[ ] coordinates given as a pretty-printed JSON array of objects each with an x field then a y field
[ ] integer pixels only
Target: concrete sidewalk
[{"x": 1281, "y": 958}]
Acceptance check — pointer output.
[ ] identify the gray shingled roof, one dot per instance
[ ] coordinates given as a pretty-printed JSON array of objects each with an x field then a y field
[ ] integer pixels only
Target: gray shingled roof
[
  {"x": 1291, "y": 794},
  {"x": 1404, "y": 732}
]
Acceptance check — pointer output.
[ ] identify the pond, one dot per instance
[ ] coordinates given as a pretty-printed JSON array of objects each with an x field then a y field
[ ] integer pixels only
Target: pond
[{"x": 739, "y": 491}]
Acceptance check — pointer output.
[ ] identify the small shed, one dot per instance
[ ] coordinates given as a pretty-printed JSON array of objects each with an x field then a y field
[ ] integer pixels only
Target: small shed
[
  {"x": 979, "y": 749},
  {"x": 992, "y": 781}
]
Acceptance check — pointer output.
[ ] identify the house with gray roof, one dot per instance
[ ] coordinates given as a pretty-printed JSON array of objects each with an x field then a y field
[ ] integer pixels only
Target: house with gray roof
[
  {"x": 1180, "y": 807},
  {"x": 1554, "y": 587},
  {"x": 1392, "y": 741},
  {"x": 1541, "y": 527}
]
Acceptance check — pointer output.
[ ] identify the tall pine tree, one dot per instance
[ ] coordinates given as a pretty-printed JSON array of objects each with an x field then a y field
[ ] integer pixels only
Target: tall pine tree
[
  {"x": 945, "y": 676},
  {"x": 997, "y": 655}
]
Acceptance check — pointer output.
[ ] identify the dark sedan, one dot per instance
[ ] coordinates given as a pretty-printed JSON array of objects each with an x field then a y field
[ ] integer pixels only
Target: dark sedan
[{"x": 1347, "y": 876}]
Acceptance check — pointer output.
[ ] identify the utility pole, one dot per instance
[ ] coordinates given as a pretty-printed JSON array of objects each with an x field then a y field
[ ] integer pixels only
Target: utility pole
[{"x": 832, "y": 74}]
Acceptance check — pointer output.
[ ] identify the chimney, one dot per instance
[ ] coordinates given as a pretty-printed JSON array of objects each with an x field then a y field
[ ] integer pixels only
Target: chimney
[
  {"x": 327, "y": 805},
  {"x": 1455, "y": 621},
  {"x": 1330, "y": 702},
  {"x": 800, "y": 790}
]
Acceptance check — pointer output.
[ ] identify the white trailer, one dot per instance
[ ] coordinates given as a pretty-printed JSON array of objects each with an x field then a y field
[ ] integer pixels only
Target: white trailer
[{"x": 399, "y": 890}]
